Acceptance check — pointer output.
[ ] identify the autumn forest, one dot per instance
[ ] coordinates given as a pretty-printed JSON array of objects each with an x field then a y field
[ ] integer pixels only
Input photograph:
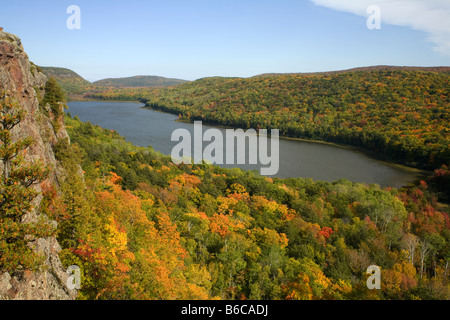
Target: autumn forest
[{"x": 141, "y": 227}]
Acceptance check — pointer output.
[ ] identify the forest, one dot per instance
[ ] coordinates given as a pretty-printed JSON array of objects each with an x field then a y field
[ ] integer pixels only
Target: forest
[
  {"x": 141, "y": 227},
  {"x": 402, "y": 115}
]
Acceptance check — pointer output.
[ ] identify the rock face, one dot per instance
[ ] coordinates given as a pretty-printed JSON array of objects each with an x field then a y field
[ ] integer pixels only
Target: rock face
[{"x": 23, "y": 81}]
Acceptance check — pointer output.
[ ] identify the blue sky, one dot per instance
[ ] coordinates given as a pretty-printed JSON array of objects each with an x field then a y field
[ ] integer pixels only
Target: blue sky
[{"x": 190, "y": 39}]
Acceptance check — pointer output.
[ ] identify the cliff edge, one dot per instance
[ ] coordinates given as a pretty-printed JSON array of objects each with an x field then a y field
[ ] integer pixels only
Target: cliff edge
[{"x": 24, "y": 82}]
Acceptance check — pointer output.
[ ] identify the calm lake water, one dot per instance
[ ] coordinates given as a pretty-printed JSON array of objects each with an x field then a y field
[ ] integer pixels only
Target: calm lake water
[{"x": 145, "y": 127}]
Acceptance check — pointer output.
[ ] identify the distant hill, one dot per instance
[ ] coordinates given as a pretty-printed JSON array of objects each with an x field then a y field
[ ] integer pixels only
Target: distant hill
[
  {"x": 71, "y": 82},
  {"x": 61, "y": 73},
  {"x": 441, "y": 69},
  {"x": 139, "y": 82}
]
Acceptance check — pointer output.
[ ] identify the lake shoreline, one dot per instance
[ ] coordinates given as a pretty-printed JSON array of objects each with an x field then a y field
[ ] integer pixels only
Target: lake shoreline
[
  {"x": 340, "y": 164},
  {"x": 420, "y": 173}
]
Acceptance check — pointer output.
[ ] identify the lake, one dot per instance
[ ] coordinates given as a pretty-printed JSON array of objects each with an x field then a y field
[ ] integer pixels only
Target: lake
[{"x": 319, "y": 161}]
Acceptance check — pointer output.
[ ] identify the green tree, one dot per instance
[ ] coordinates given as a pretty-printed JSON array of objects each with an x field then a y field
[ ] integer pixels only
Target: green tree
[
  {"x": 54, "y": 96},
  {"x": 16, "y": 195}
]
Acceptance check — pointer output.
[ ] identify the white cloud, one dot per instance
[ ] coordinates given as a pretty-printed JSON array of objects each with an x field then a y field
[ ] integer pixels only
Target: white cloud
[{"x": 430, "y": 16}]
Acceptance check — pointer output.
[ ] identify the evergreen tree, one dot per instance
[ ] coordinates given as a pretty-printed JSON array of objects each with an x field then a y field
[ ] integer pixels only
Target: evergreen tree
[
  {"x": 53, "y": 96},
  {"x": 16, "y": 195}
]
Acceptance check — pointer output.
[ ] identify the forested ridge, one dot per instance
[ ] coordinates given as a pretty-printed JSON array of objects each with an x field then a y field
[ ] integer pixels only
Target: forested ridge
[
  {"x": 400, "y": 114},
  {"x": 139, "y": 81}
]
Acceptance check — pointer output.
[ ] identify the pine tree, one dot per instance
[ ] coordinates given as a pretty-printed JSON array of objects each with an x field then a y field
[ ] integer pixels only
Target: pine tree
[
  {"x": 16, "y": 195},
  {"x": 53, "y": 96}
]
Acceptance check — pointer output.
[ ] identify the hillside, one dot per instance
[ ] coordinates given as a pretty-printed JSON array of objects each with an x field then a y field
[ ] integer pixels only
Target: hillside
[
  {"x": 442, "y": 69},
  {"x": 139, "y": 82},
  {"x": 76, "y": 87},
  {"x": 61, "y": 73},
  {"x": 71, "y": 82},
  {"x": 402, "y": 115}
]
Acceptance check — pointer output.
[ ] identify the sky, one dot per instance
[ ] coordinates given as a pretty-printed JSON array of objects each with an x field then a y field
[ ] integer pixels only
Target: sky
[{"x": 191, "y": 39}]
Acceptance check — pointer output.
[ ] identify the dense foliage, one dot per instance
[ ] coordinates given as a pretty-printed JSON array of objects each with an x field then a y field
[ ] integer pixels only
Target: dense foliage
[
  {"x": 400, "y": 114},
  {"x": 403, "y": 115},
  {"x": 54, "y": 96},
  {"x": 141, "y": 227}
]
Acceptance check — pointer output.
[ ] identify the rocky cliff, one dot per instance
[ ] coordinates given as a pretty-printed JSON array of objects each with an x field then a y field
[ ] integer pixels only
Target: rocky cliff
[{"x": 24, "y": 82}]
